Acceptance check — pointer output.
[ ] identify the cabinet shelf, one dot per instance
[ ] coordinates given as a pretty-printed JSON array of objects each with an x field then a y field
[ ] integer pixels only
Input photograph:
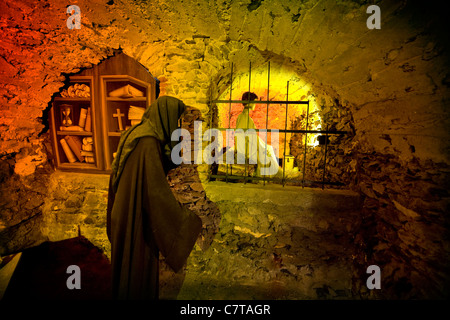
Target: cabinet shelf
[
  {"x": 77, "y": 165},
  {"x": 71, "y": 99},
  {"x": 74, "y": 133},
  {"x": 126, "y": 99},
  {"x": 115, "y": 134}
]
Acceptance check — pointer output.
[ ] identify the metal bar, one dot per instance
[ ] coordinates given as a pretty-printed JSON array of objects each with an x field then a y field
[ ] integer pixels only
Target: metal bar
[
  {"x": 231, "y": 90},
  {"x": 297, "y": 131},
  {"x": 229, "y": 108},
  {"x": 260, "y": 101},
  {"x": 233, "y": 177},
  {"x": 285, "y": 133},
  {"x": 267, "y": 117},
  {"x": 306, "y": 144},
  {"x": 210, "y": 126},
  {"x": 325, "y": 159},
  {"x": 248, "y": 116}
]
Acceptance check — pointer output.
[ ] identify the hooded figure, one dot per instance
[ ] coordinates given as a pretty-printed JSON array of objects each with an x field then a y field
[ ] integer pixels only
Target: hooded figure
[{"x": 143, "y": 216}]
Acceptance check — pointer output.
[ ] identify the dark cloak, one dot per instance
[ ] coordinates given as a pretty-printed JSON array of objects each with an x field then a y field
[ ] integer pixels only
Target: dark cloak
[{"x": 143, "y": 216}]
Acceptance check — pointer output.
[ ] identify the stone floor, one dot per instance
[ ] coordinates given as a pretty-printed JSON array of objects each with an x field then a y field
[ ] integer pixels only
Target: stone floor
[
  {"x": 273, "y": 242},
  {"x": 268, "y": 242}
]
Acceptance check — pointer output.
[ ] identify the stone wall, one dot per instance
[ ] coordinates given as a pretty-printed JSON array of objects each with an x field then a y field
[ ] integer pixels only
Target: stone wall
[
  {"x": 405, "y": 225},
  {"x": 333, "y": 164},
  {"x": 76, "y": 205},
  {"x": 21, "y": 204}
]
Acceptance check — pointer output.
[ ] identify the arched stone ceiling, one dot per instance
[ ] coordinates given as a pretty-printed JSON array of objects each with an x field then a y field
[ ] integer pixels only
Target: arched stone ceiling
[{"x": 394, "y": 78}]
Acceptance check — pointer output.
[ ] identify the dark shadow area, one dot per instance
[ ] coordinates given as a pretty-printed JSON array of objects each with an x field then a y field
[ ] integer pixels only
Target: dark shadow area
[{"x": 42, "y": 272}]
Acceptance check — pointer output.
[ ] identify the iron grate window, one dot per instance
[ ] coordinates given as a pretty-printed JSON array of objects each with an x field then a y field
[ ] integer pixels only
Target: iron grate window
[{"x": 323, "y": 139}]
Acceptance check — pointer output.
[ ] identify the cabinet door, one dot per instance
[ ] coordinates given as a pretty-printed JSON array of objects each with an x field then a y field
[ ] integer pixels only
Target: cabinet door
[
  {"x": 73, "y": 130},
  {"x": 124, "y": 100}
]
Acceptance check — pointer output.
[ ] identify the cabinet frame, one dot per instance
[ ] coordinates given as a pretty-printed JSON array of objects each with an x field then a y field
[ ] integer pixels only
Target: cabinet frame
[{"x": 119, "y": 68}]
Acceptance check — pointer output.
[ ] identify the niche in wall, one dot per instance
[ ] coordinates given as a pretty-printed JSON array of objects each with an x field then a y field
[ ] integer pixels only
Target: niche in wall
[{"x": 90, "y": 113}]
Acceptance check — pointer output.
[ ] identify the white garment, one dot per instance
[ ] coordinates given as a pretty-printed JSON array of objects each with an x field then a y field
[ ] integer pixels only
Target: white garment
[{"x": 250, "y": 146}]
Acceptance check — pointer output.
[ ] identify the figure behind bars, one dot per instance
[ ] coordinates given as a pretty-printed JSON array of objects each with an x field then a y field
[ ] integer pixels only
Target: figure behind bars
[{"x": 250, "y": 147}]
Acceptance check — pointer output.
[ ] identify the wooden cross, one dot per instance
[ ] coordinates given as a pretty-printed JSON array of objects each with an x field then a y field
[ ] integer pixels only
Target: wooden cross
[{"x": 119, "y": 115}]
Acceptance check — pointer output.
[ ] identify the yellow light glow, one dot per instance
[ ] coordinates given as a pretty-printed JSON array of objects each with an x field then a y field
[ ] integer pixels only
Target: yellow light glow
[{"x": 278, "y": 90}]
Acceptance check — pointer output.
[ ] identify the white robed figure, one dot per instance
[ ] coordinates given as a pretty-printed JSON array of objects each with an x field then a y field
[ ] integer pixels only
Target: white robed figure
[{"x": 248, "y": 144}]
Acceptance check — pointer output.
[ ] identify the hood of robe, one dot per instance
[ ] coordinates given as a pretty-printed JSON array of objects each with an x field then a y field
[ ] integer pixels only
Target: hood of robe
[{"x": 159, "y": 121}]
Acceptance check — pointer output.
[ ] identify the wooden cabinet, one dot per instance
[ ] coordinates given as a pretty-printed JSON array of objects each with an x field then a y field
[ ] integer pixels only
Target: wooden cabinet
[{"x": 96, "y": 106}]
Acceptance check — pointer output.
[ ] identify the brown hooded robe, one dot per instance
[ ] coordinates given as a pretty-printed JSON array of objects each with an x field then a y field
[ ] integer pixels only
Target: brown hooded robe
[{"x": 143, "y": 216}]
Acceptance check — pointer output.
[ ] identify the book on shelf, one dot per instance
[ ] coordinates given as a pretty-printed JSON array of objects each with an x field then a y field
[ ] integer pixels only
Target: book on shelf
[
  {"x": 87, "y": 153},
  {"x": 79, "y": 149},
  {"x": 67, "y": 151},
  {"x": 88, "y": 125},
  {"x": 71, "y": 128},
  {"x": 88, "y": 144},
  {"x": 135, "y": 114},
  {"x": 127, "y": 91},
  {"x": 87, "y": 149},
  {"x": 75, "y": 144},
  {"x": 82, "y": 120}
]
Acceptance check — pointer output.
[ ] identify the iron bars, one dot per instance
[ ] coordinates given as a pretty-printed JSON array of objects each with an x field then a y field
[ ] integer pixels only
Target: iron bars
[{"x": 229, "y": 176}]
